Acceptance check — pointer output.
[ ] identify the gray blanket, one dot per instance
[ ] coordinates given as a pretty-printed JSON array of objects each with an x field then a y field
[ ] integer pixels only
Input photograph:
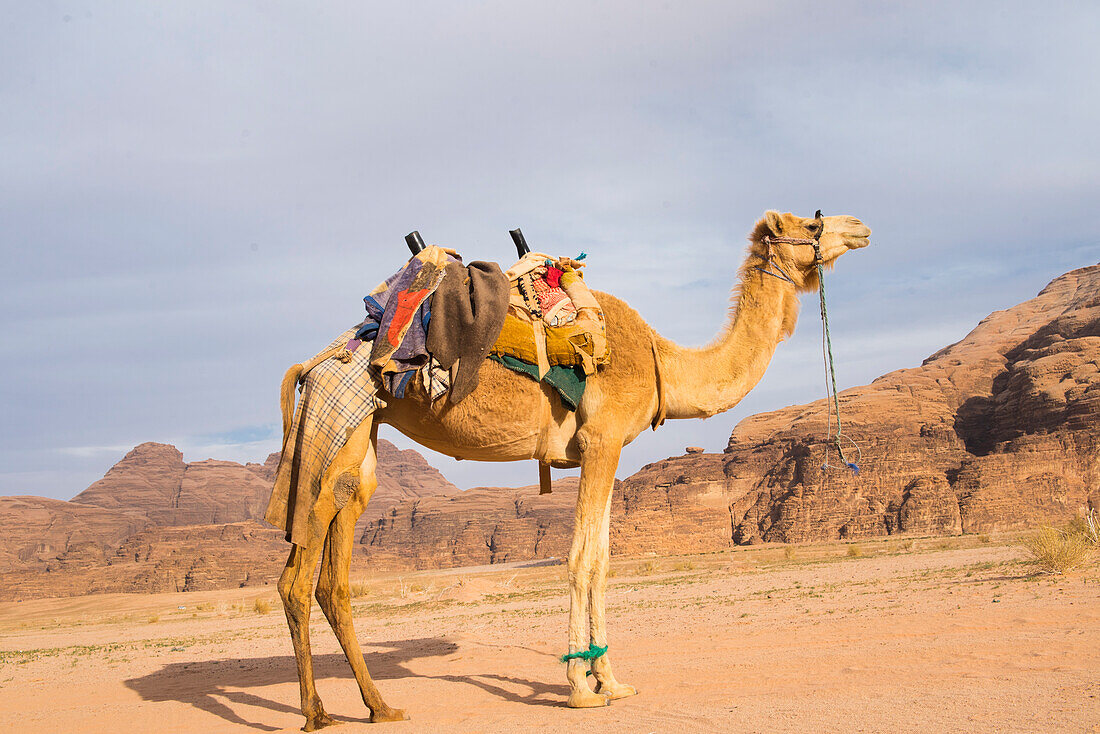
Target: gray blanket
[{"x": 468, "y": 310}]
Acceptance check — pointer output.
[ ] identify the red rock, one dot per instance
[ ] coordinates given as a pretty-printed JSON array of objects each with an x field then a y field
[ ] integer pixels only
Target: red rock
[
  {"x": 475, "y": 527},
  {"x": 39, "y": 531},
  {"x": 155, "y": 523}
]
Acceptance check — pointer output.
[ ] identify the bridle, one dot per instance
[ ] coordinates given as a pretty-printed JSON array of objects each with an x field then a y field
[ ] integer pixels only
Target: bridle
[
  {"x": 770, "y": 260},
  {"x": 831, "y": 400}
]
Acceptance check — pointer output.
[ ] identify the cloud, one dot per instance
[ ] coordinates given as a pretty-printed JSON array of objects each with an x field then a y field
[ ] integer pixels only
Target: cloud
[{"x": 195, "y": 197}]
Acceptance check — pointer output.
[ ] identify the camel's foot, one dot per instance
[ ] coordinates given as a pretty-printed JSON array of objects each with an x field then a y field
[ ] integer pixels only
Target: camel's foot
[
  {"x": 388, "y": 714},
  {"x": 614, "y": 690},
  {"x": 318, "y": 721},
  {"x": 584, "y": 698}
]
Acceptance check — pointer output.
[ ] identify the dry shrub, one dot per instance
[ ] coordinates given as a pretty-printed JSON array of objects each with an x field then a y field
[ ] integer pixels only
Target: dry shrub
[
  {"x": 357, "y": 589},
  {"x": 984, "y": 538},
  {"x": 1057, "y": 551},
  {"x": 261, "y": 606},
  {"x": 648, "y": 567},
  {"x": 684, "y": 566},
  {"x": 855, "y": 551},
  {"x": 788, "y": 552},
  {"x": 1087, "y": 526}
]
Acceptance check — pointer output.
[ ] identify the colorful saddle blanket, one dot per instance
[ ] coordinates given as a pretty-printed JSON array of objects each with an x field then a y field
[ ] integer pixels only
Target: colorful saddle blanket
[{"x": 553, "y": 319}]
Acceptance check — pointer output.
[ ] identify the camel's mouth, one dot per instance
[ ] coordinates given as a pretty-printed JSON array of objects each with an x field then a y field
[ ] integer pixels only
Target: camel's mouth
[{"x": 855, "y": 243}]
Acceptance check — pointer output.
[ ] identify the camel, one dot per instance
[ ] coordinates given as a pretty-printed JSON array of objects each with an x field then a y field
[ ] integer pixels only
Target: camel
[{"x": 510, "y": 417}]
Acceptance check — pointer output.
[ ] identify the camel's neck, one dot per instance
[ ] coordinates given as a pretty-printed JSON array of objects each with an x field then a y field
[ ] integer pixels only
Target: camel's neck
[{"x": 702, "y": 382}]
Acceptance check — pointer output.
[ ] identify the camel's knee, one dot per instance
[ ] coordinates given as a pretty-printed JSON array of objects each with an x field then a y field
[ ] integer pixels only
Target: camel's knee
[
  {"x": 295, "y": 600},
  {"x": 292, "y": 590},
  {"x": 332, "y": 593}
]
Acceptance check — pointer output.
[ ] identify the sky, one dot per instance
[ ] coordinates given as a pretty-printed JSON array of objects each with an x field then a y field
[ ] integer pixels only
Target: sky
[{"x": 194, "y": 196}]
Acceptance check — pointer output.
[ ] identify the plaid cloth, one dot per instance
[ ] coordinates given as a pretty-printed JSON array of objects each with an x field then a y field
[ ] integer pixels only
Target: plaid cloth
[
  {"x": 336, "y": 398},
  {"x": 435, "y": 380}
]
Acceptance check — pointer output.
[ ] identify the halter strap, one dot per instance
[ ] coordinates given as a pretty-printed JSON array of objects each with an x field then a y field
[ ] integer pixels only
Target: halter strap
[{"x": 813, "y": 242}]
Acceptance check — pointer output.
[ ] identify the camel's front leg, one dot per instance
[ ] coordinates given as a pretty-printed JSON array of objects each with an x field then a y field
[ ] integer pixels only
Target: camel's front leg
[
  {"x": 597, "y": 594},
  {"x": 590, "y": 543}
]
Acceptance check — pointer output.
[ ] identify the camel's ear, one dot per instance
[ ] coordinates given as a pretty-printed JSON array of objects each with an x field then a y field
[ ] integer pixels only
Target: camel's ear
[{"x": 774, "y": 222}]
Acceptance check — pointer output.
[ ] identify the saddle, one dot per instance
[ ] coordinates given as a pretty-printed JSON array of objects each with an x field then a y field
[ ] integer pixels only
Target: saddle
[{"x": 553, "y": 319}]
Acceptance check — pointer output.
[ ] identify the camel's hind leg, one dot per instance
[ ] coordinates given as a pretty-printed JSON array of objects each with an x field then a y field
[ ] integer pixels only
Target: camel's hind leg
[
  {"x": 295, "y": 585},
  {"x": 355, "y": 463}
]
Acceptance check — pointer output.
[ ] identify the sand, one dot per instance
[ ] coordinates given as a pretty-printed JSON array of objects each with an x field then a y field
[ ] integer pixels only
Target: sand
[{"x": 922, "y": 638}]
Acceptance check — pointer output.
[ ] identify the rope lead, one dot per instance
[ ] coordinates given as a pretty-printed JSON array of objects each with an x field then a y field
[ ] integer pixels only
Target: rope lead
[{"x": 832, "y": 401}]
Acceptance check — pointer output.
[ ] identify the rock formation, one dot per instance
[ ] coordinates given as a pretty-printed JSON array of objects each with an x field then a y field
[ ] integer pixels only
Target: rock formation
[
  {"x": 156, "y": 523},
  {"x": 153, "y": 481},
  {"x": 475, "y": 527},
  {"x": 995, "y": 432},
  {"x": 403, "y": 475}
]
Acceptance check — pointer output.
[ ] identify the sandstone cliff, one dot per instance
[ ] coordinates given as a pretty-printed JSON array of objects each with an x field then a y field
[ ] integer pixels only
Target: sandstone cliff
[
  {"x": 475, "y": 527},
  {"x": 156, "y": 523},
  {"x": 997, "y": 431}
]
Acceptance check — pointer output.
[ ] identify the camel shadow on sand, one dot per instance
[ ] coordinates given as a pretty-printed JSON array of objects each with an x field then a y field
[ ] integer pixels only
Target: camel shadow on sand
[{"x": 212, "y": 685}]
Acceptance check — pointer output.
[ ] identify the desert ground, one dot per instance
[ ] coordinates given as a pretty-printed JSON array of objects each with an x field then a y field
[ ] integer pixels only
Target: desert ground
[{"x": 898, "y": 635}]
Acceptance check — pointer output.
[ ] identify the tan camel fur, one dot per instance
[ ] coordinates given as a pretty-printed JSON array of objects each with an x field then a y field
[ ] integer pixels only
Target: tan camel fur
[{"x": 511, "y": 417}]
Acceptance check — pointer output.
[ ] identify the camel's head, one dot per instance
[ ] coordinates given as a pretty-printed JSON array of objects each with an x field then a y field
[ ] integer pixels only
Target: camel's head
[{"x": 838, "y": 235}]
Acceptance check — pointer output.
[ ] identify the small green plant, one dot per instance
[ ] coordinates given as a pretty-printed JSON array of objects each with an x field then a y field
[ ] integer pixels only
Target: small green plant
[
  {"x": 261, "y": 606},
  {"x": 855, "y": 551},
  {"x": 1057, "y": 551}
]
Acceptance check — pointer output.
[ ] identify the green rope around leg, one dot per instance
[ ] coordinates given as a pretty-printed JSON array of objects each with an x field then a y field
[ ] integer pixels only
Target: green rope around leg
[{"x": 594, "y": 651}]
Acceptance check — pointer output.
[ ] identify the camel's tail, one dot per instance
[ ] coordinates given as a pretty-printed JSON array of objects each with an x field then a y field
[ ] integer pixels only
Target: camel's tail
[{"x": 286, "y": 397}]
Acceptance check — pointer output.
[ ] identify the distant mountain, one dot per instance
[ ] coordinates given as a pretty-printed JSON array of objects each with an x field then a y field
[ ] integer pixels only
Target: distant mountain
[
  {"x": 157, "y": 523},
  {"x": 476, "y": 527},
  {"x": 153, "y": 480}
]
